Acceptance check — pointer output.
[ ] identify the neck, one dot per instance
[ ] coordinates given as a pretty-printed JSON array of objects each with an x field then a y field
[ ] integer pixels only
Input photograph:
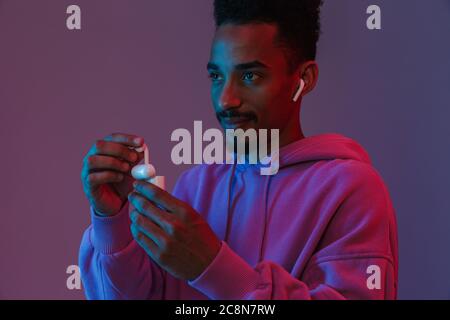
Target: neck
[{"x": 292, "y": 131}]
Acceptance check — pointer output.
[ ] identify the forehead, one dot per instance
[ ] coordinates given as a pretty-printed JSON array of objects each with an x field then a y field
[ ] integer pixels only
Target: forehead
[{"x": 233, "y": 44}]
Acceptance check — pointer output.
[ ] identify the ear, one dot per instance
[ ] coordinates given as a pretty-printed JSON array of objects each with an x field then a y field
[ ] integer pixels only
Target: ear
[{"x": 310, "y": 75}]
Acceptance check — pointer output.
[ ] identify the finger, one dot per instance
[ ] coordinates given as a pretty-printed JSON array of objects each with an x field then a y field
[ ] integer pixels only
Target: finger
[
  {"x": 130, "y": 140},
  {"x": 97, "y": 178},
  {"x": 126, "y": 139},
  {"x": 160, "y": 197},
  {"x": 148, "y": 228},
  {"x": 163, "y": 219},
  {"x": 97, "y": 162},
  {"x": 145, "y": 242},
  {"x": 108, "y": 148}
]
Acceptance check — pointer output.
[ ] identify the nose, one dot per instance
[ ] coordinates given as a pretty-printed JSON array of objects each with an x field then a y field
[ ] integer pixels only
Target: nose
[{"x": 229, "y": 97}]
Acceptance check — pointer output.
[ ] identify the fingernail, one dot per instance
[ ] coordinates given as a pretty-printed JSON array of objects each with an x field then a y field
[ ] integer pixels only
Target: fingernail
[{"x": 138, "y": 141}]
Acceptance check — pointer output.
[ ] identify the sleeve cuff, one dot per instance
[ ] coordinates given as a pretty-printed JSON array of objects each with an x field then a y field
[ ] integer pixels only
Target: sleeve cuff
[
  {"x": 228, "y": 277},
  {"x": 111, "y": 234}
]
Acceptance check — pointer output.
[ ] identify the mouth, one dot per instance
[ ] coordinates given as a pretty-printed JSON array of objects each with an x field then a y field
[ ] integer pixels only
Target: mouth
[{"x": 235, "y": 122}]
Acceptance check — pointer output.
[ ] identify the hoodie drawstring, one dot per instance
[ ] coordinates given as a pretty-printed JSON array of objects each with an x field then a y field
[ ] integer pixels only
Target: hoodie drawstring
[
  {"x": 230, "y": 181},
  {"x": 266, "y": 199},
  {"x": 265, "y": 209}
]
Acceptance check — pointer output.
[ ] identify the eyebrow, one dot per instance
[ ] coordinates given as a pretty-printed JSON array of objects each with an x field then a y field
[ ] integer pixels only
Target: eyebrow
[{"x": 241, "y": 66}]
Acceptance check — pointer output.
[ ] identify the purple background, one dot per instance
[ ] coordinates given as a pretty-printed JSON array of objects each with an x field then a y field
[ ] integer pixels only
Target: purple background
[{"x": 139, "y": 67}]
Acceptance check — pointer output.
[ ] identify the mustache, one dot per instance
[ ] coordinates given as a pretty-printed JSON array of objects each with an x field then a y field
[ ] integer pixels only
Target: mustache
[{"x": 235, "y": 114}]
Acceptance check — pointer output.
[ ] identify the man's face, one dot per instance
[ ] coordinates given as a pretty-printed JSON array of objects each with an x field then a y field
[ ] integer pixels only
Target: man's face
[{"x": 250, "y": 85}]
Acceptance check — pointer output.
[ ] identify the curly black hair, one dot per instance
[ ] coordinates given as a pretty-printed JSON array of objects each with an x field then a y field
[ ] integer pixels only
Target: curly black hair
[{"x": 298, "y": 23}]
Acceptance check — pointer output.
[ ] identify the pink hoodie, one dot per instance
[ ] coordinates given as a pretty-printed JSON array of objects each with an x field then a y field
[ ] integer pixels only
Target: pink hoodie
[{"x": 323, "y": 227}]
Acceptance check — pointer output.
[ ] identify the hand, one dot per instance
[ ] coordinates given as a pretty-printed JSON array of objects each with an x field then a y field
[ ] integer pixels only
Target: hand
[
  {"x": 176, "y": 237},
  {"x": 106, "y": 172}
]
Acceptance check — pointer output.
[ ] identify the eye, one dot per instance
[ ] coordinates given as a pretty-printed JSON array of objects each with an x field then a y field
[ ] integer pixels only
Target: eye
[
  {"x": 214, "y": 76},
  {"x": 250, "y": 76}
]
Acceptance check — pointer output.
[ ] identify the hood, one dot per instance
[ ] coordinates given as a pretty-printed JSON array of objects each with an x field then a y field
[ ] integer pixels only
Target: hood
[{"x": 327, "y": 146}]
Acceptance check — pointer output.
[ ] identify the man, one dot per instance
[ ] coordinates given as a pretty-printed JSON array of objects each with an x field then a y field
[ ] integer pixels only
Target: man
[{"x": 323, "y": 227}]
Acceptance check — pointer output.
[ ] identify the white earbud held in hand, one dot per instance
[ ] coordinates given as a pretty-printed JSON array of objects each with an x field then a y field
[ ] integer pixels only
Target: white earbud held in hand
[
  {"x": 299, "y": 90},
  {"x": 147, "y": 171}
]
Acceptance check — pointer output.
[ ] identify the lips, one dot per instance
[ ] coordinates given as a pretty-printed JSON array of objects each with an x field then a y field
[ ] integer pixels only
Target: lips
[{"x": 235, "y": 121}]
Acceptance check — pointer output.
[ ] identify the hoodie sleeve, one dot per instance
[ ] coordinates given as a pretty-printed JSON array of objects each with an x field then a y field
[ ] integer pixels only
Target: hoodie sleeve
[
  {"x": 355, "y": 259},
  {"x": 113, "y": 265}
]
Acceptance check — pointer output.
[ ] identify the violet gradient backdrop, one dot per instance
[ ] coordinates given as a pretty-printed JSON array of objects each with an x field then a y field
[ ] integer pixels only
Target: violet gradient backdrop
[{"x": 61, "y": 90}]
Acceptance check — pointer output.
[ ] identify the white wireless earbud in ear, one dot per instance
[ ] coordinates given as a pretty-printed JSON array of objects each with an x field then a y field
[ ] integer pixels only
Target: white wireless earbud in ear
[
  {"x": 147, "y": 171},
  {"x": 299, "y": 90}
]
